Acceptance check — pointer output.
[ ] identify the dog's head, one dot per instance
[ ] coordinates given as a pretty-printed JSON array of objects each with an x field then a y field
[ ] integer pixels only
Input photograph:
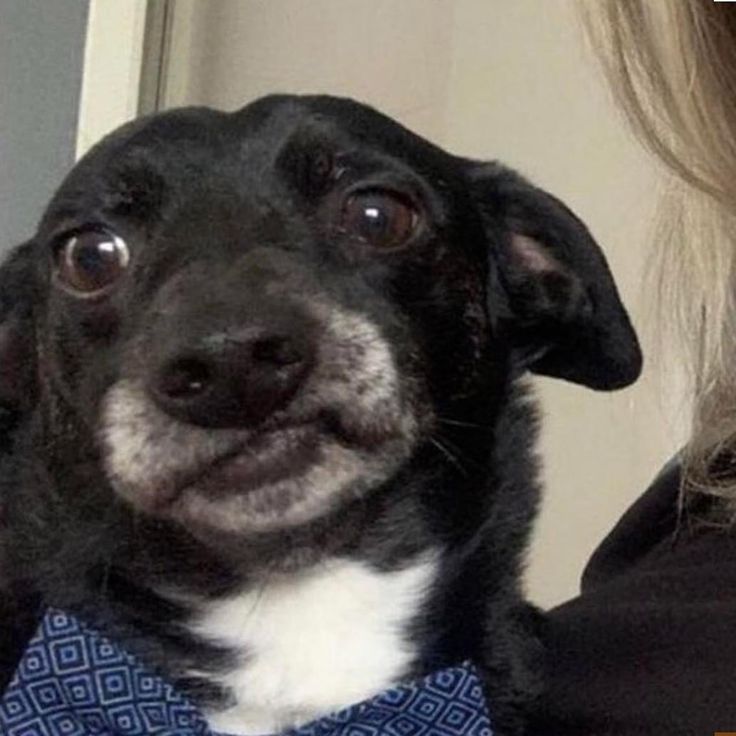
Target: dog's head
[{"x": 258, "y": 316}]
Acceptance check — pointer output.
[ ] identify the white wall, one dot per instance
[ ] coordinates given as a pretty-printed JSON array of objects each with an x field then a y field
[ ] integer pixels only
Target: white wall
[{"x": 492, "y": 79}]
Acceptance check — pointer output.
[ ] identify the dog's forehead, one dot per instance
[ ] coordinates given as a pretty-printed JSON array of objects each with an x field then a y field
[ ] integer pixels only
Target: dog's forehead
[
  {"x": 200, "y": 146},
  {"x": 262, "y": 128}
]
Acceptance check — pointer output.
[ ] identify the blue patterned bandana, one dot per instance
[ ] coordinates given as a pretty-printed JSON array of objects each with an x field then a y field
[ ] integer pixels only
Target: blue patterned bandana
[{"x": 74, "y": 682}]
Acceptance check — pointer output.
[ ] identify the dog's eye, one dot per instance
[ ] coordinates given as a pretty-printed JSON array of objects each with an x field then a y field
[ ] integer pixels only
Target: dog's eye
[
  {"x": 91, "y": 261},
  {"x": 380, "y": 218}
]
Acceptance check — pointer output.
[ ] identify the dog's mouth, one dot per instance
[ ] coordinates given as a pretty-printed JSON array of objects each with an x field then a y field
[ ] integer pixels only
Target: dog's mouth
[
  {"x": 268, "y": 458},
  {"x": 276, "y": 453},
  {"x": 287, "y": 472}
]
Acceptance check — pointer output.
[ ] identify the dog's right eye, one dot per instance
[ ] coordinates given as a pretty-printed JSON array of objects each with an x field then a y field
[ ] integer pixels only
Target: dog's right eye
[
  {"x": 381, "y": 218},
  {"x": 91, "y": 261}
]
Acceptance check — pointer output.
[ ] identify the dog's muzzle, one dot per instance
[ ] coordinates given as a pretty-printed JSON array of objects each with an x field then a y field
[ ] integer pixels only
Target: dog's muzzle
[{"x": 259, "y": 424}]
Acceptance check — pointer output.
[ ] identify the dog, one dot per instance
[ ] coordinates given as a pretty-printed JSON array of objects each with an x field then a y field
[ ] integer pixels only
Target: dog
[{"x": 265, "y": 414}]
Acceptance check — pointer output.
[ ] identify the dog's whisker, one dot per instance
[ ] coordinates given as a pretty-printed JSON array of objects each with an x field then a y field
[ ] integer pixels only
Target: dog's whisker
[
  {"x": 460, "y": 455},
  {"x": 457, "y": 423},
  {"x": 449, "y": 455},
  {"x": 463, "y": 454}
]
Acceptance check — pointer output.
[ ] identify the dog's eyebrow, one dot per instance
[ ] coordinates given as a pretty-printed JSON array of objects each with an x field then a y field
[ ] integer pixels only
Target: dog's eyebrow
[
  {"x": 134, "y": 190},
  {"x": 126, "y": 189}
]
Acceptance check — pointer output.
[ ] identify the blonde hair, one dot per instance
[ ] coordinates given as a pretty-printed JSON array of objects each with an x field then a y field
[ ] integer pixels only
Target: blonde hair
[{"x": 672, "y": 67}]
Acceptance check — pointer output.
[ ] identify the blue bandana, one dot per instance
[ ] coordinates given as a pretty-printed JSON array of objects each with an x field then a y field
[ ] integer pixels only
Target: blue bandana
[{"x": 74, "y": 682}]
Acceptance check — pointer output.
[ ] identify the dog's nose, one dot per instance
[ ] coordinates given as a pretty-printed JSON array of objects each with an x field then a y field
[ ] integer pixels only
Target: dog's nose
[{"x": 234, "y": 378}]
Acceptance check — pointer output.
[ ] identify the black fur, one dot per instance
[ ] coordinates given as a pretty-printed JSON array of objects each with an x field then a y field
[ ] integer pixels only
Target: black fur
[{"x": 466, "y": 306}]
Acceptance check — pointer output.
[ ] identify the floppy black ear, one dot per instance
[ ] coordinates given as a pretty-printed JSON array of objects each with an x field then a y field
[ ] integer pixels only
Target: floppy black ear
[
  {"x": 17, "y": 340},
  {"x": 558, "y": 303}
]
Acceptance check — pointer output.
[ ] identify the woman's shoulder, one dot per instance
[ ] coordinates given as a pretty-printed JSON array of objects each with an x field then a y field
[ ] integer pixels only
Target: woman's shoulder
[
  {"x": 648, "y": 524},
  {"x": 668, "y": 528},
  {"x": 649, "y": 645}
]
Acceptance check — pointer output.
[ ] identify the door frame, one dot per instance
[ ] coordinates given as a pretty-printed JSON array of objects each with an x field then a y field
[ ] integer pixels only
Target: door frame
[{"x": 125, "y": 65}]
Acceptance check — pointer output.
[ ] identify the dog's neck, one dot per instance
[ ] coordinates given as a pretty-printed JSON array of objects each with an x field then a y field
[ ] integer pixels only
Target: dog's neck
[{"x": 308, "y": 643}]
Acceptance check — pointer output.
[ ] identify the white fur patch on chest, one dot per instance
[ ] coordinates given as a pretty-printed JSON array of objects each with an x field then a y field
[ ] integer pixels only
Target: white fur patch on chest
[{"x": 314, "y": 642}]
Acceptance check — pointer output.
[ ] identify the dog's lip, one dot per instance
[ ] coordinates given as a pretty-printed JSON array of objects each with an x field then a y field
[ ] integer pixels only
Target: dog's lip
[
  {"x": 350, "y": 432},
  {"x": 304, "y": 437},
  {"x": 251, "y": 465}
]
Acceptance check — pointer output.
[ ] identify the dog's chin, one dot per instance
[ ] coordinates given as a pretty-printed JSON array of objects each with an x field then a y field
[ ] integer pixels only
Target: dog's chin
[{"x": 268, "y": 482}]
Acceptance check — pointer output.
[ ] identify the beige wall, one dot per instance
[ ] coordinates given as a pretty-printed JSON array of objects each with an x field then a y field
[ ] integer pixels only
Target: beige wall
[{"x": 492, "y": 79}]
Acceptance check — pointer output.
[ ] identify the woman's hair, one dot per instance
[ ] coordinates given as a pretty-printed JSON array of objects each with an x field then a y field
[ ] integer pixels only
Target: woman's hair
[{"x": 672, "y": 66}]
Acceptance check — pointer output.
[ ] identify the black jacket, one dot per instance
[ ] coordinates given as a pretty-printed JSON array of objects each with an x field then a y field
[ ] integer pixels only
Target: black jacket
[{"x": 650, "y": 645}]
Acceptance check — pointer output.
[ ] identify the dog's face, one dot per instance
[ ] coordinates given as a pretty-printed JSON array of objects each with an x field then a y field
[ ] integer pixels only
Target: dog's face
[{"x": 257, "y": 317}]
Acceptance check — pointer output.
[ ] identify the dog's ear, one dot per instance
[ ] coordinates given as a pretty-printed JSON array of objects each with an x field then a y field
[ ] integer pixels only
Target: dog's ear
[
  {"x": 551, "y": 288},
  {"x": 17, "y": 341}
]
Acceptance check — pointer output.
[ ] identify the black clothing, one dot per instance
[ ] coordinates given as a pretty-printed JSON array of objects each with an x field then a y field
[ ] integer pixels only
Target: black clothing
[{"x": 650, "y": 645}]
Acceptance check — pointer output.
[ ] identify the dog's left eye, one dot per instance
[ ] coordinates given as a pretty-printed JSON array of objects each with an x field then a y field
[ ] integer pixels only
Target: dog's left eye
[
  {"x": 380, "y": 218},
  {"x": 91, "y": 261}
]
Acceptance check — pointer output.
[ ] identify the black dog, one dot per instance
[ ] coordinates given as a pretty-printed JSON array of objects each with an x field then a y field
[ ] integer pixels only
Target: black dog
[{"x": 261, "y": 373}]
